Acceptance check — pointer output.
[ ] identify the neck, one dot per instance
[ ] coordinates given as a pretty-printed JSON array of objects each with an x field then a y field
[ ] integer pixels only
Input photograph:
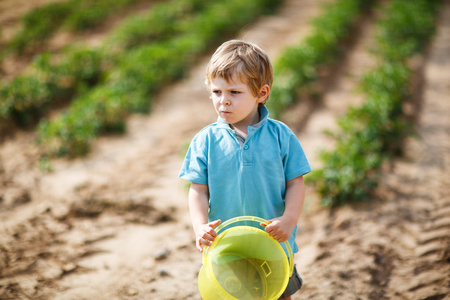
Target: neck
[{"x": 243, "y": 131}]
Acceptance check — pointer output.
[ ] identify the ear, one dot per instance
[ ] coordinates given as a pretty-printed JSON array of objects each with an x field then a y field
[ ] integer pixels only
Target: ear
[{"x": 263, "y": 94}]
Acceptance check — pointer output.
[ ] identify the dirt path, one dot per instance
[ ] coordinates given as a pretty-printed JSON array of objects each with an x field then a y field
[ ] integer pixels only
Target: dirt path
[
  {"x": 115, "y": 224},
  {"x": 86, "y": 253},
  {"x": 338, "y": 95},
  {"x": 11, "y": 12},
  {"x": 396, "y": 247}
]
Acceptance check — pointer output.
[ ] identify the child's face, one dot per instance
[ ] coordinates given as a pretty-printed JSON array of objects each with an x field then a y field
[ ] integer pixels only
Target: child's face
[{"x": 235, "y": 103}]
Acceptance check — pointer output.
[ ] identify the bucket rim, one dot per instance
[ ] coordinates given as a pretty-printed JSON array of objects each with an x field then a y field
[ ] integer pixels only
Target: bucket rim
[
  {"x": 220, "y": 234},
  {"x": 258, "y": 220}
]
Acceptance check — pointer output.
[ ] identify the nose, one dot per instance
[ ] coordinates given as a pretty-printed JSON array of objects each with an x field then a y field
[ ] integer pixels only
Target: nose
[{"x": 224, "y": 100}]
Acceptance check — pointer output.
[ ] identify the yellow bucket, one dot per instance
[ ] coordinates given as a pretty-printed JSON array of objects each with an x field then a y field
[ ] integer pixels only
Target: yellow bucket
[{"x": 244, "y": 262}]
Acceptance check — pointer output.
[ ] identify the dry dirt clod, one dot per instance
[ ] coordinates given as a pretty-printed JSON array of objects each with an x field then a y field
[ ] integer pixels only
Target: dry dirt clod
[{"x": 163, "y": 254}]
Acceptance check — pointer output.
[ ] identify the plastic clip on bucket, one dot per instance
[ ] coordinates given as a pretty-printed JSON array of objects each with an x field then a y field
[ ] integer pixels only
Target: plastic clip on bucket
[{"x": 244, "y": 262}]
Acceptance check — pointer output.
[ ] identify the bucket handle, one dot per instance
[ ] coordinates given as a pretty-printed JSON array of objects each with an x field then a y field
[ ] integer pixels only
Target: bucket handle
[
  {"x": 259, "y": 221},
  {"x": 266, "y": 268}
]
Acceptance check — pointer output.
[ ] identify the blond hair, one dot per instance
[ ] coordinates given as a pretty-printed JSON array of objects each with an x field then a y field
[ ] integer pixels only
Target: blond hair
[{"x": 245, "y": 60}]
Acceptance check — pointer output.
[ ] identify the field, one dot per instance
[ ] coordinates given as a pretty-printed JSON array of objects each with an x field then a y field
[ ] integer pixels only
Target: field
[{"x": 113, "y": 223}]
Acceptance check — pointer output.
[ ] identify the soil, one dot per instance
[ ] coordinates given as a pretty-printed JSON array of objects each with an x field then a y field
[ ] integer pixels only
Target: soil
[
  {"x": 11, "y": 12},
  {"x": 115, "y": 224}
]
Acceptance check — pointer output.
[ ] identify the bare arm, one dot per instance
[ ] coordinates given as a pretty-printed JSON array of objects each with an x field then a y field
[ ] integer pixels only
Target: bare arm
[
  {"x": 198, "y": 208},
  {"x": 280, "y": 228}
]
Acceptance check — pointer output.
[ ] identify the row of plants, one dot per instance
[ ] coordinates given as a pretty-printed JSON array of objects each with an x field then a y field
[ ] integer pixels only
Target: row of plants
[
  {"x": 74, "y": 15},
  {"x": 28, "y": 96},
  {"x": 142, "y": 72},
  {"x": 163, "y": 22},
  {"x": 297, "y": 69},
  {"x": 78, "y": 68},
  {"x": 373, "y": 132}
]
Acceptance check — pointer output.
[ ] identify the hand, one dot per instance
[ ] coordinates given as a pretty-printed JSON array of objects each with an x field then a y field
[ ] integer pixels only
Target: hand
[
  {"x": 205, "y": 234},
  {"x": 280, "y": 229}
]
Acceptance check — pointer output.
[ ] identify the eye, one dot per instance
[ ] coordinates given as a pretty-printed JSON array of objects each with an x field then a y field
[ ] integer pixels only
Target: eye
[
  {"x": 217, "y": 92},
  {"x": 235, "y": 92}
]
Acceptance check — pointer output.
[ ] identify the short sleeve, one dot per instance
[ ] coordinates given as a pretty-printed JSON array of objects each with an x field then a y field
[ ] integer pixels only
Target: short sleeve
[
  {"x": 195, "y": 167},
  {"x": 295, "y": 161}
]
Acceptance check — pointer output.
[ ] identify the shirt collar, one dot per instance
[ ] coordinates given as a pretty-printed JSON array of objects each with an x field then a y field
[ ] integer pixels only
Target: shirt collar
[{"x": 263, "y": 113}]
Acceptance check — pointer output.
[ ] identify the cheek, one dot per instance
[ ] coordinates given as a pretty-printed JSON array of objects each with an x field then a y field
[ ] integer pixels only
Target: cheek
[{"x": 215, "y": 102}]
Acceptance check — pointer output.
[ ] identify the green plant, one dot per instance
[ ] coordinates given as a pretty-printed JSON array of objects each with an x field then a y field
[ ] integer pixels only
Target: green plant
[
  {"x": 87, "y": 14},
  {"x": 17, "y": 97},
  {"x": 78, "y": 67},
  {"x": 140, "y": 73},
  {"x": 28, "y": 96},
  {"x": 39, "y": 24},
  {"x": 367, "y": 135},
  {"x": 407, "y": 25},
  {"x": 163, "y": 21},
  {"x": 74, "y": 15},
  {"x": 297, "y": 68},
  {"x": 373, "y": 132}
]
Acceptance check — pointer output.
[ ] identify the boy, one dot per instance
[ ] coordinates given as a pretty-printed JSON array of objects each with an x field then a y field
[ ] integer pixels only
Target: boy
[{"x": 245, "y": 164}]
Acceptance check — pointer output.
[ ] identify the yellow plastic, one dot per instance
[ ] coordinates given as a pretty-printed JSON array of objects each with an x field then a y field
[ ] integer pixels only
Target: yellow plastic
[{"x": 244, "y": 262}]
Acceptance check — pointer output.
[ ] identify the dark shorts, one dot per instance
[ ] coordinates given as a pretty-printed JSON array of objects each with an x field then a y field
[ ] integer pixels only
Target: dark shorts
[{"x": 295, "y": 283}]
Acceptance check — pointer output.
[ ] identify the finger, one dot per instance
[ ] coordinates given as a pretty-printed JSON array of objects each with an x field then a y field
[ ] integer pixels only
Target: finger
[
  {"x": 269, "y": 228},
  {"x": 280, "y": 238},
  {"x": 269, "y": 231},
  {"x": 199, "y": 246},
  {"x": 206, "y": 236},
  {"x": 275, "y": 236},
  {"x": 213, "y": 224},
  {"x": 205, "y": 242},
  {"x": 210, "y": 234},
  {"x": 264, "y": 224}
]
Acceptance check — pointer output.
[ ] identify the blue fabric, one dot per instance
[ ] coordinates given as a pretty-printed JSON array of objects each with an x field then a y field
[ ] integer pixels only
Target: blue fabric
[{"x": 248, "y": 179}]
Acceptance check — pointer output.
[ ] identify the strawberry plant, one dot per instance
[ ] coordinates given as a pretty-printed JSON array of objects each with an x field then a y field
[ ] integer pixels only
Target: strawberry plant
[
  {"x": 372, "y": 133},
  {"x": 297, "y": 68},
  {"x": 38, "y": 25},
  {"x": 74, "y": 15},
  {"x": 141, "y": 73},
  {"x": 79, "y": 68}
]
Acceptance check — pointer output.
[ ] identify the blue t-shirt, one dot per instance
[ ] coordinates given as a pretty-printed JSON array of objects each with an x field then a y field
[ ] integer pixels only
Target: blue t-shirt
[{"x": 248, "y": 179}]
